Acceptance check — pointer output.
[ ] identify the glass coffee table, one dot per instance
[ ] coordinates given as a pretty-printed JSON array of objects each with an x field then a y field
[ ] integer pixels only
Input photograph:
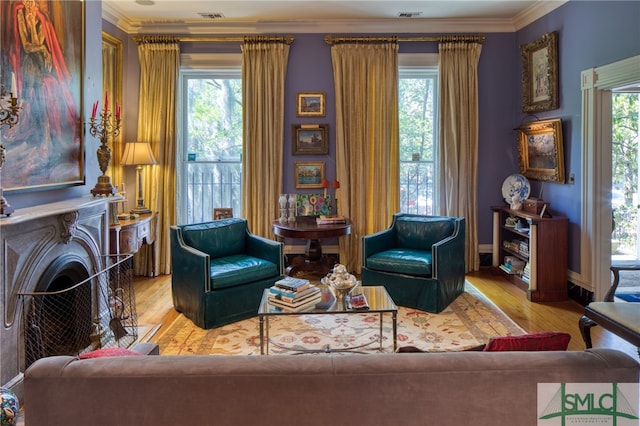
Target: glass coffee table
[{"x": 378, "y": 301}]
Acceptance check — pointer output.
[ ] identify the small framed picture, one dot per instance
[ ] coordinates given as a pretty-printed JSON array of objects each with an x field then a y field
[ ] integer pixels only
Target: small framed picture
[
  {"x": 540, "y": 150},
  {"x": 309, "y": 174},
  {"x": 222, "y": 213},
  {"x": 310, "y": 139},
  {"x": 310, "y": 105},
  {"x": 540, "y": 74}
]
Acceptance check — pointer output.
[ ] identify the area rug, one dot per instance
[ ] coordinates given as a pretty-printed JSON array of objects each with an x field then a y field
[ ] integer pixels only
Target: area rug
[{"x": 467, "y": 323}]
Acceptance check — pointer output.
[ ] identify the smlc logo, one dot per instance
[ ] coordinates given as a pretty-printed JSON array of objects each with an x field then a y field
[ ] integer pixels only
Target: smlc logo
[{"x": 588, "y": 404}]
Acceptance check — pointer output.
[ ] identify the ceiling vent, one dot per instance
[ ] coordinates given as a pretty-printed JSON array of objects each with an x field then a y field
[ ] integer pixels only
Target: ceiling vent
[
  {"x": 214, "y": 15},
  {"x": 409, "y": 14}
]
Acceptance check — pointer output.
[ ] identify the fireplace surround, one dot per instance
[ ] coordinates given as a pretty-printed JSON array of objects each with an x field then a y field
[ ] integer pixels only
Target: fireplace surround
[{"x": 44, "y": 247}]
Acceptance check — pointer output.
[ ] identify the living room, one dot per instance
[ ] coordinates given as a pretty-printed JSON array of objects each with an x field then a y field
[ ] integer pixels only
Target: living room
[{"x": 591, "y": 35}]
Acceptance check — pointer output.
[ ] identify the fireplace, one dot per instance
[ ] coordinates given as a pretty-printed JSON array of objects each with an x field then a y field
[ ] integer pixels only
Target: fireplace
[{"x": 48, "y": 248}]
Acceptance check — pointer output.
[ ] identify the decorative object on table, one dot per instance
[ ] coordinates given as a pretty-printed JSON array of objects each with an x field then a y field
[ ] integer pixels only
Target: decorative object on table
[
  {"x": 282, "y": 202},
  {"x": 310, "y": 104},
  {"x": 9, "y": 116},
  {"x": 9, "y": 407},
  {"x": 103, "y": 129},
  {"x": 309, "y": 174},
  {"x": 310, "y": 139},
  {"x": 313, "y": 204},
  {"x": 515, "y": 189},
  {"x": 540, "y": 150},
  {"x": 293, "y": 207},
  {"x": 536, "y": 206},
  {"x": 540, "y": 74},
  {"x": 340, "y": 282},
  {"x": 138, "y": 154}
]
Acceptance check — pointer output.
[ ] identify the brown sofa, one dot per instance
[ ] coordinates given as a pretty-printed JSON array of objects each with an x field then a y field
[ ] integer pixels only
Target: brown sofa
[{"x": 478, "y": 388}]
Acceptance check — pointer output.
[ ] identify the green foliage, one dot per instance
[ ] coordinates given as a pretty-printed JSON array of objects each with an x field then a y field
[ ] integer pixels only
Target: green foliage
[{"x": 626, "y": 107}]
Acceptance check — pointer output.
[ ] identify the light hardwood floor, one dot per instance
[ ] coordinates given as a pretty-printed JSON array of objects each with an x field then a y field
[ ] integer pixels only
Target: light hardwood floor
[{"x": 154, "y": 306}]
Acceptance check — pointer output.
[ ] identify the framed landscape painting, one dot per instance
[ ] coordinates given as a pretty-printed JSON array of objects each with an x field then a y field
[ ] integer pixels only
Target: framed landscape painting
[
  {"x": 540, "y": 150},
  {"x": 310, "y": 105},
  {"x": 309, "y": 174},
  {"x": 310, "y": 139},
  {"x": 43, "y": 49}
]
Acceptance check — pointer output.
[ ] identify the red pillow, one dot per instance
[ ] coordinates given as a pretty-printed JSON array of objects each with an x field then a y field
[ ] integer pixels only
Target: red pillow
[
  {"x": 106, "y": 352},
  {"x": 545, "y": 341}
]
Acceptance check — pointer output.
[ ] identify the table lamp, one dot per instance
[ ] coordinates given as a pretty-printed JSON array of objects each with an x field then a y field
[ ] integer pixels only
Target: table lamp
[{"x": 138, "y": 154}]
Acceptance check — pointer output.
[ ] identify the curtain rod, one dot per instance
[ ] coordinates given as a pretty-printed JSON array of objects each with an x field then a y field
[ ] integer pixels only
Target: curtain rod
[
  {"x": 479, "y": 38},
  {"x": 215, "y": 39}
]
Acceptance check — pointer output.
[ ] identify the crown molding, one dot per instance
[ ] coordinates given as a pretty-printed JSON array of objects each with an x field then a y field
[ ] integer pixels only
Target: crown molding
[{"x": 352, "y": 26}]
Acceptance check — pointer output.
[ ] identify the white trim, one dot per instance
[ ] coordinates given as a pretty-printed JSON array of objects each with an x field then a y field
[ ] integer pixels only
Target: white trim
[
  {"x": 595, "y": 235},
  {"x": 207, "y": 61}
]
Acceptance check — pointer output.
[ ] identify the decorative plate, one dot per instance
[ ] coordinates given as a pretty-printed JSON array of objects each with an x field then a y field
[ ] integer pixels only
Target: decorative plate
[{"x": 515, "y": 184}]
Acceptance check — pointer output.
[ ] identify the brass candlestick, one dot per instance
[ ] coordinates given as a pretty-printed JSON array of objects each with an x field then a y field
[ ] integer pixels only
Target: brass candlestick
[
  {"x": 9, "y": 110},
  {"x": 103, "y": 129}
]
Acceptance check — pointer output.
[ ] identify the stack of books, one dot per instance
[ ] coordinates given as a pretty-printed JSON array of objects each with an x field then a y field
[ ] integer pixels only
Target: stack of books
[
  {"x": 292, "y": 294},
  {"x": 330, "y": 219},
  {"x": 512, "y": 265}
]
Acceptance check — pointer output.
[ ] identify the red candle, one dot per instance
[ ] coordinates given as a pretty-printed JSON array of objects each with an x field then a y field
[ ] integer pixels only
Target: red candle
[
  {"x": 95, "y": 110},
  {"x": 106, "y": 102},
  {"x": 336, "y": 184},
  {"x": 117, "y": 111}
]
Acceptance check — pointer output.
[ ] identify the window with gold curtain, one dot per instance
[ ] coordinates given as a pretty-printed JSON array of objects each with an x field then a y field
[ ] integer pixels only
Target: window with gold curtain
[{"x": 367, "y": 138}]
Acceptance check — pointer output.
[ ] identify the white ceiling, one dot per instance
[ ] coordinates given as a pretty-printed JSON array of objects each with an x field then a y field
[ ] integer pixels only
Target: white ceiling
[{"x": 309, "y": 16}]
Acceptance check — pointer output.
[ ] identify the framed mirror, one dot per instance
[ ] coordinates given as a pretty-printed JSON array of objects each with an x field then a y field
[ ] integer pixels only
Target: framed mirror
[{"x": 112, "y": 86}]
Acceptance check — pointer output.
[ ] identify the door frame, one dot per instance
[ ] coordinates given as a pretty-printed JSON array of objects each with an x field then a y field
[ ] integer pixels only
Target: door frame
[{"x": 595, "y": 235}]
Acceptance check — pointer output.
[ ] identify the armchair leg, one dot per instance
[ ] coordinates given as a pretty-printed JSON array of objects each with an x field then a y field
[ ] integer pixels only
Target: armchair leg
[{"x": 585, "y": 329}]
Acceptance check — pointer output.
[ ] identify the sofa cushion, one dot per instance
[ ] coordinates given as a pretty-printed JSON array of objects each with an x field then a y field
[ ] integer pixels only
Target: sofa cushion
[
  {"x": 218, "y": 238},
  {"x": 238, "y": 269},
  {"x": 108, "y": 352},
  {"x": 403, "y": 261},
  {"x": 418, "y": 232},
  {"x": 545, "y": 341}
]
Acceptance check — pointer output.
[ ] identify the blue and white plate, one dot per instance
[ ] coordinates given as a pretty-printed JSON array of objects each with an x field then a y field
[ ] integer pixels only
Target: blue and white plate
[{"x": 515, "y": 184}]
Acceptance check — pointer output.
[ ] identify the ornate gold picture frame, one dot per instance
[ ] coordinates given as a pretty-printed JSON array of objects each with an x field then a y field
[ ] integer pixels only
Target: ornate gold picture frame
[
  {"x": 310, "y": 104},
  {"x": 309, "y": 174},
  {"x": 540, "y": 74},
  {"x": 310, "y": 139},
  {"x": 540, "y": 150}
]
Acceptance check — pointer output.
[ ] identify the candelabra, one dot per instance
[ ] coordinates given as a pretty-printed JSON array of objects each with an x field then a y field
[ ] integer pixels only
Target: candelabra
[
  {"x": 9, "y": 110},
  {"x": 103, "y": 129}
]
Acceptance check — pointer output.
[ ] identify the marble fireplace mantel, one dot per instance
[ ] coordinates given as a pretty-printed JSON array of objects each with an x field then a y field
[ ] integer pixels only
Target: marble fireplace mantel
[{"x": 31, "y": 240}]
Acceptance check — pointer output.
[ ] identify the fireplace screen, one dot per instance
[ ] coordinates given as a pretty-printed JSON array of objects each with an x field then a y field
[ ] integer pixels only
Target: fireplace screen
[{"x": 95, "y": 313}]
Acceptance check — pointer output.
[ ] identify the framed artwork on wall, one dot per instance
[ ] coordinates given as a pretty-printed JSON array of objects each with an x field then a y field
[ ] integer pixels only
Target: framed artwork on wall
[
  {"x": 222, "y": 213},
  {"x": 309, "y": 174},
  {"x": 310, "y": 139},
  {"x": 540, "y": 150},
  {"x": 310, "y": 105},
  {"x": 45, "y": 149},
  {"x": 540, "y": 74}
]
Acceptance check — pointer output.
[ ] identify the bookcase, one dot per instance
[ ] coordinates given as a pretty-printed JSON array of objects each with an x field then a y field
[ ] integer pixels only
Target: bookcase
[{"x": 540, "y": 243}]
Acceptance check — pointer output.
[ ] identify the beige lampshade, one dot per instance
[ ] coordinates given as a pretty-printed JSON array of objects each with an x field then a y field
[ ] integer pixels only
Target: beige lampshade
[{"x": 137, "y": 153}]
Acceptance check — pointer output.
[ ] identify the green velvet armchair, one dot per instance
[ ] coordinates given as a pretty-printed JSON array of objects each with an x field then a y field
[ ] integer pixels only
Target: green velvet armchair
[
  {"x": 220, "y": 270},
  {"x": 418, "y": 259}
]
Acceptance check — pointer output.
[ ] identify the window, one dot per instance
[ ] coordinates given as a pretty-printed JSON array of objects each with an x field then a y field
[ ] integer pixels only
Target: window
[
  {"x": 418, "y": 118},
  {"x": 210, "y": 152}
]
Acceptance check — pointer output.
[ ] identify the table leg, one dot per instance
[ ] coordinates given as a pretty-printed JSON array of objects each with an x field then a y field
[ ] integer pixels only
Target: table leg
[
  {"x": 267, "y": 336},
  {"x": 261, "y": 324},
  {"x": 394, "y": 319},
  {"x": 380, "y": 334}
]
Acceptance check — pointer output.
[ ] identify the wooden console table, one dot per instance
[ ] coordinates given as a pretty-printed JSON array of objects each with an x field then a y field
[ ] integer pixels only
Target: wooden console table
[{"x": 128, "y": 236}]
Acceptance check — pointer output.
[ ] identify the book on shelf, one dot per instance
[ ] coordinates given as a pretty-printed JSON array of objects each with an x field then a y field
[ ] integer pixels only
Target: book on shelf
[
  {"x": 330, "y": 219},
  {"x": 291, "y": 296},
  {"x": 279, "y": 306},
  {"x": 293, "y": 283}
]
